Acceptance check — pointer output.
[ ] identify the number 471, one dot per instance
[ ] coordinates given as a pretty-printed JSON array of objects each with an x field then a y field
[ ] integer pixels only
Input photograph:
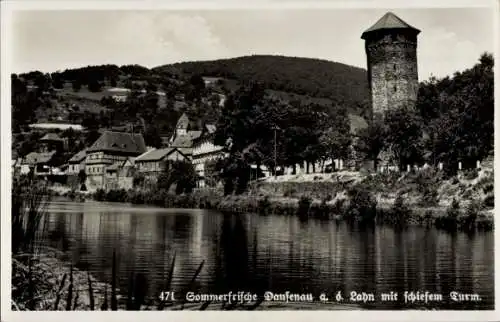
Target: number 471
[{"x": 167, "y": 296}]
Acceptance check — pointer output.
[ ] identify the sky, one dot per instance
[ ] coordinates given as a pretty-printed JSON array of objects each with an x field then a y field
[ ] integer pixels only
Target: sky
[{"x": 450, "y": 40}]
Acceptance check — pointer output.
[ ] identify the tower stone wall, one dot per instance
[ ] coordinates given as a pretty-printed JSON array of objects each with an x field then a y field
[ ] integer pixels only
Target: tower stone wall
[
  {"x": 391, "y": 51},
  {"x": 393, "y": 75}
]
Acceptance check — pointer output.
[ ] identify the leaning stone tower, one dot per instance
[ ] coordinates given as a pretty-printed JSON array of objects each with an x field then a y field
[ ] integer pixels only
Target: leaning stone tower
[{"x": 391, "y": 50}]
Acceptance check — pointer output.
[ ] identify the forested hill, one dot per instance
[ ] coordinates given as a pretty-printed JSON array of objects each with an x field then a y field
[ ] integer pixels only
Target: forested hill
[{"x": 341, "y": 83}]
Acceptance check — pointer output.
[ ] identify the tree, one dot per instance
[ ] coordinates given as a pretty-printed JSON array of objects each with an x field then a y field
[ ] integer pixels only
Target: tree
[
  {"x": 249, "y": 119},
  {"x": 57, "y": 80},
  {"x": 180, "y": 172},
  {"x": 371, "y": 141},
  {"x": 90, "y": 121},
  {"x": 43, "y": 82},
  {"x": 76, "y": 85},
  {"x": 152, "y": 137},
  {"x": 458, "y": 115},
  {"x": 94, "y": 85},
  {"x": 404, "y": 136},
  {"x": 24, "y": 103},
  {"x": 91, "y": 136},
  {"x": 82, "y": 176},
  {"x": 336, "y": 139}
]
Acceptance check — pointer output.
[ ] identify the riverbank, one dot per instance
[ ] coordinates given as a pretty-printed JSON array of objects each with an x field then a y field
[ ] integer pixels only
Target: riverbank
[
  {"x": 464, "y": 201},
  {"x": 54, "y": 284}
]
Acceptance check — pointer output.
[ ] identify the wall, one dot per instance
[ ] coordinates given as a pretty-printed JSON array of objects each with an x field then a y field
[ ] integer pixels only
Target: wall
[
  {"x": 393, "y": 74},
  {"x": 94, "y": 182},
  {"x": 74, "y": 168}
]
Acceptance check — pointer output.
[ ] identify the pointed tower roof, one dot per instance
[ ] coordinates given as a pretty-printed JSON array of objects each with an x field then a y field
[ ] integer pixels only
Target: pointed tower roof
[
  {"x": 387, "y": 22},
  {"x": 183, "y": 122}
]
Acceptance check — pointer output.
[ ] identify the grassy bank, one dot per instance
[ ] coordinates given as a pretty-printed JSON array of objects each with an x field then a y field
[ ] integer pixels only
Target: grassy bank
[{"x": 411, "y": 199}]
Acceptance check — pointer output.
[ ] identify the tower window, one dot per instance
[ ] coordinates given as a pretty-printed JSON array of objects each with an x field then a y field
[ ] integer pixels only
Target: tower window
[
  {"x": 394, "y": 66},
  {"x": 395, "y": 88}
]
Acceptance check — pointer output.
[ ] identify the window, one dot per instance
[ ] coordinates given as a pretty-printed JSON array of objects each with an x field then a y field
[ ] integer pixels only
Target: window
[{"x": 395, "y": 88}]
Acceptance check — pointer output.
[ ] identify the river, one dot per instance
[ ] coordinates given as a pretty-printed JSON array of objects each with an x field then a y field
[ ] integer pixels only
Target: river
[{"x": 256, "y": 253}]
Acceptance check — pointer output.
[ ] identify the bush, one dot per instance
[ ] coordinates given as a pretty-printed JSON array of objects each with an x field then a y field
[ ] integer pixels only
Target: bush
[
  {"x": 488, "y": 188},
  {"x": 289, "y": 192},
  {"x": 116, "y": 195},
  {"x": 100, "y": 195},
  {"x": 304, "y": 206},
  {"x": 324, "y": 209},
  {"x": 489, "y": 201},
  {"x": 138, "y": 180},
  {"x": 400, "y": 210},
  {"x": 471, "y": 174},
  {"x": 362, "y": 205},
  {"x": 430, "y": 197},
  {"x": 471, "y": 215},
  {"x": 453, "y": 210},
  {"x": 264, "y": 205}
]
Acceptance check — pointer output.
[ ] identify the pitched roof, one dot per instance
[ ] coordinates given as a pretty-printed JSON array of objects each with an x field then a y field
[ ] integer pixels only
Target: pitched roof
[
  {"x": 183, "y": 122},
  {"x": 186, "y": 151},
  {"x": 186, "y": 141},
  {"x": 388, "y": 21},
  {"x": 131, "y": 160},
  {"x": 131, "y": 143},
  {"x": 210, "y": 128},
  {"x": 38, "y": 158},
  {"x": 51, "y": 137},
  {"x": 115, "y": 166},
  {"x": 154, "y": 155},
  {"x": 78, "y": 157}
]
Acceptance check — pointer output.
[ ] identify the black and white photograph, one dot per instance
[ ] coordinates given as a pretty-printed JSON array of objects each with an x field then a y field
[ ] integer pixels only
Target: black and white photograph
[{"x": 248, "y": 158}]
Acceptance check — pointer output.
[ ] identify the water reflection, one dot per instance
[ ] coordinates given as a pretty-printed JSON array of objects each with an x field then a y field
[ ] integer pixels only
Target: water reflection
[{"x": 278, "y": 253}]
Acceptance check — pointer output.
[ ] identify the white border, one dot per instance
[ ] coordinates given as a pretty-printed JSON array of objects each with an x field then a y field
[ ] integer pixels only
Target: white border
[{"x": 7, "y": 7}]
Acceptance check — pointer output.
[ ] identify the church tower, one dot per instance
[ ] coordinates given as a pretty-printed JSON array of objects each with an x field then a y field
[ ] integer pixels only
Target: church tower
[{"x": 391, "y": 51}]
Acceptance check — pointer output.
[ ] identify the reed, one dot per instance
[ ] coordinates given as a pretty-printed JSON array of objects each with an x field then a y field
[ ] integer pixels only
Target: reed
[
  {"x": 91, "y": 293},
  {"x": 191, "y": 283},
  {"x": 70, "y": 290},
  {"x": 58, "y": 296},
  {"x": 29, "y": 201},
  {"x": 168, "y": 283},
  {"x": 104, "y": 306},
  {"x": 114, "y": 301}
]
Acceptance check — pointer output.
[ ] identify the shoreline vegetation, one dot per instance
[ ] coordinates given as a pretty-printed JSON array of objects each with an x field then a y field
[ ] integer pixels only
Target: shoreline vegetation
[{"x": 464, "y": 202}]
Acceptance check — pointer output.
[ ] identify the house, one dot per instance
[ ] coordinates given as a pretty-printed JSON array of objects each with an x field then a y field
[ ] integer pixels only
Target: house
[
  {"x": 185, "y": 142},
  {"x": 77, "y": 162},
  {"x": 182, "y": 126},
  {"x": 51, "y": 142},
  {"x": 211, "y": 81},
  {"x": 39, "y": 162},
  {"x": 111, "y": 147},
  {"x": 153, "y": 163},
  {"x": 120, "y": 175},
  {"x": 54, "y": 126},
  {"x": 16, "y": 166},
  {"x": 183, "y": 136},
  {"x": 203, "y": 151},
  {"x": 119, "y": 98}
]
